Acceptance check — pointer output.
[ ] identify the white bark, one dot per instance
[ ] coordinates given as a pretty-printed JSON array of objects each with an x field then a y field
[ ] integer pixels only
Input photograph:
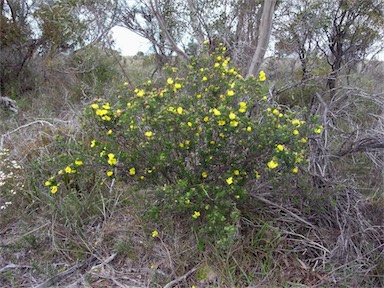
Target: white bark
[{"x": 264, "y": 34}]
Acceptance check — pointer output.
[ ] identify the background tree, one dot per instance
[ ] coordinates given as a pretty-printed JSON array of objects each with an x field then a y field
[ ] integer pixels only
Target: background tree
[{"x": 173, "y": 26}]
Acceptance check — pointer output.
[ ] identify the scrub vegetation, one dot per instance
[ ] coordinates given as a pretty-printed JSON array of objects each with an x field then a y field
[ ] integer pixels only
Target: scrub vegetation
[{"x": 191, "y": 165}]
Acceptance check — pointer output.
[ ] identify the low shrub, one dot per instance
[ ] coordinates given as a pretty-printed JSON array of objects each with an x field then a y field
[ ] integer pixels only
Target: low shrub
[{"x": 202, "y": 141}]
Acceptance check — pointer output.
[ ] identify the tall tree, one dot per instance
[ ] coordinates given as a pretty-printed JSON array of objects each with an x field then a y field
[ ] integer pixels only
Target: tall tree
[
  {"x": 265, "y": 28},
  {"x": 243, "y": 26}
]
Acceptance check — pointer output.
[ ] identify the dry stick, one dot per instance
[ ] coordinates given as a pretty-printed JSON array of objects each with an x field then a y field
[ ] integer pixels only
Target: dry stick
[
  {"x": 13, "y": 266},
  {"x": 181, "y": 278},
  {"x": 105, "y": 262},
  {"x": 20, "y": 127},
  {"x": 285, "y": 210},
  {"x": 51, "y": 281}
]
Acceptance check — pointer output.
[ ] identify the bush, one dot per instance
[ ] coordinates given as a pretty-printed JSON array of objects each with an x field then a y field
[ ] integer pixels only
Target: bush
[{"x": 203, "y": 141}]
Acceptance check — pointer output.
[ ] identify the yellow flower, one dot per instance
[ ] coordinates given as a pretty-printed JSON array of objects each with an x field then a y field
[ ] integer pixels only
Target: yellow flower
[
  {"x": 198, "y": 96},
  {"x": 170, "y": 81},
  {"x": 68, "y": 169},
  {"x": 109, "y": 132},
  {"x": 272, "y": 164},
  {"x": 230, "y": 93},
  {"x": 296, "y": 122},
  {"x": 217, "y": 65},
  {"x": 53, "y": 189},
  {"x": 234, "y": 123},
  {"x": 196, "y": 215},
  {"x": 249, "y": 129},
  {"x": 181, "y": 145},
  {"x": 109, "y": 173},
  {"x": 140, "y": 93},
  {"x": 204, "y": 175},
  {"x": 47, "y": 183},
  {"x": 257, "y": 175},
  {"x": 111, "y": 159},
  {"x": 236, "y": 172},
  {"x": 275, "y": 112},
  {"x": 155, "y": 233},
  {"x": 180, "y": 110},
  {"x": 221, "y": 122},
  {"x": 295, "y": 170},
  {"x": 106, "y": 118},
  {"x": 177, "y": 86},
  {"x": 229, "y": 180},
  {"x": 189, "y": 124},
  {"x": 243, "y": 107},
  {"x": 205, "y": 78},
  {"x": 149, "y": 134},
  {"x": 237, "y": 196},
  {"x": 218, "y": 58},
  {"x": 216, "y": 112},
  {"x": 206, "y": 42},
  {"x": 280, "y": 147},
  {"x": 101, "y": 112},
  {"x": 132, "y": 171},
  {"x": 232, "y": 115},
  {"x": 106, "y": 106},
  {"x": 206, "y": 118},
  {"x": 262, "y": 76},
  {"x": 318, "y": 129},
  {"x": 126, "y": 84},
  {"x": 93, "y": 143},
  {"x": 295, "y": 132},
  {"x": 78, "y": 162},
  {"x": 95, "y": 106},
  {"x": 303, "y": 140}
]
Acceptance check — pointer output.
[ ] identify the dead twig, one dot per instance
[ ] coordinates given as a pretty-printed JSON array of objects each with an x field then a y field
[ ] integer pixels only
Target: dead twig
[
  {"x": 181, "y": 278},
  {"x": 51, "y": 281},
  {"x": 266, "y": 201},
  {"x": 13, "y": 266}
]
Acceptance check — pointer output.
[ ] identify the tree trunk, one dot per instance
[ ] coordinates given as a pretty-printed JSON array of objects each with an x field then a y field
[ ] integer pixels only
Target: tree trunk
[{"x": 264, "y": 34}]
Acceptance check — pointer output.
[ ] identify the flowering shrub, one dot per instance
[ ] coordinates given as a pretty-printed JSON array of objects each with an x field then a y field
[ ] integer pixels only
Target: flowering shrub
[
  {"x": 203, "y": 140},
  {"x": 11, "y": 180}
]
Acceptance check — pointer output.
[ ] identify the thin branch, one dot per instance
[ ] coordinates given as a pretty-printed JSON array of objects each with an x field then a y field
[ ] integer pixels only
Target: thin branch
[
  {"x": 160, "y": 19},
  {"x": 181, "y": 278},
  {"x": 266, "y": 201},
  {"x": 53, "y": 280}
]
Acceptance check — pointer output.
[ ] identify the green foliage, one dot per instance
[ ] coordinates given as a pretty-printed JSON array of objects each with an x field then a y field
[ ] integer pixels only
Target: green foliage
[
  {"x": 61, "y": 28},
  {"x": 204, "y": 140}
]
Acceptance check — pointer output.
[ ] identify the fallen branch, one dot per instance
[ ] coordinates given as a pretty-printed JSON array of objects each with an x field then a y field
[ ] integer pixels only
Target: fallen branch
[
  {"x": 266, "y": 201},
  {"x": 42, "y": 122},
  {"x": 13, "y": 266},
  {"x": 53, "y": 280},
  {"x": 181, "y": 278}
]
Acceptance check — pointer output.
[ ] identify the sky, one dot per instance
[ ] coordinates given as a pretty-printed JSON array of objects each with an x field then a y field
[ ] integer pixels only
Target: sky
[{"x": 129, "y": 43}]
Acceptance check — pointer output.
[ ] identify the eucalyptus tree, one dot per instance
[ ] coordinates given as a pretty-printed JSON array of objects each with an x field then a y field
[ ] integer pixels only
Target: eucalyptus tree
[{"x": 181, "y": 27}]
